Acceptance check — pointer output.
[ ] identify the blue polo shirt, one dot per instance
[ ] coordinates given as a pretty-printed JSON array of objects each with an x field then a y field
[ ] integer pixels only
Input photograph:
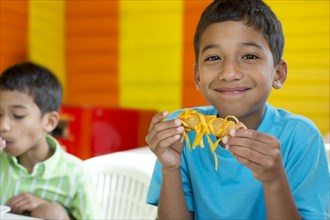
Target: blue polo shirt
[{"x": 232, "y": 192}]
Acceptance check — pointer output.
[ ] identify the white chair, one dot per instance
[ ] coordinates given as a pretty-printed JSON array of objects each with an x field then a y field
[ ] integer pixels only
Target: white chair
[{"x": 122, "y": 181}]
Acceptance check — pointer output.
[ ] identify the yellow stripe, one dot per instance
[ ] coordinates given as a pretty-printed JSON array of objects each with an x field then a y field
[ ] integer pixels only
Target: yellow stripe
[
  {"x": 306, "y": 30},
  {"x": 46, "y": 35},
  {"x": 150, "y": 54}
]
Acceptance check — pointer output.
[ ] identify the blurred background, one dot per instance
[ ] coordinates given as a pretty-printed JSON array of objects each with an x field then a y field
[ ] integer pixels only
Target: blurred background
[{"x": 120, "y": 61}]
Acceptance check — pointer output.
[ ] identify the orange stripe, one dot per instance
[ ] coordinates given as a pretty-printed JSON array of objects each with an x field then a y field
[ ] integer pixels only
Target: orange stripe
[
  {"x": 92, "y": 52},
  {"x": 13, "y": 32},
  {"x": 193, "y": 10}
]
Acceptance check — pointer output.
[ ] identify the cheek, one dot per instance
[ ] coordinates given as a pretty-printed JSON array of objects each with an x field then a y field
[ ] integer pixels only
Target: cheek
[
  {"x": 263, "y": 77},
  {"x": 264, "y": 86},
  {"x": 268, "y": 82},
  {"x": 30, "y": 130},
  {"x": 207, "y": 75}
]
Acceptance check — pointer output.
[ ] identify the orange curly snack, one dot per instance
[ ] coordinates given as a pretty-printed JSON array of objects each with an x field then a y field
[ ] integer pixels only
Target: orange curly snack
[{"x": 206, "y": 125}]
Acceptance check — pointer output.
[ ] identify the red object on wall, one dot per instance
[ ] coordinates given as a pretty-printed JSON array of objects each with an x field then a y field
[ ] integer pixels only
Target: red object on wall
[
  {"x": 73, "y": 131},
  {"x": 114, "y": 130},
  {"x": 90, "y": 131}
]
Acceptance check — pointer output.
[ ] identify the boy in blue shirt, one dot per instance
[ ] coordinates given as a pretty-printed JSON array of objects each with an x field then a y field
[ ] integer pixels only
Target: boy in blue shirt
[{"x": 275, "y": 169}]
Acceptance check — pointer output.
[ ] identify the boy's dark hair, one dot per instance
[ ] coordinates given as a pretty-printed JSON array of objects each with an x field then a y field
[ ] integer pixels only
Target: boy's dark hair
[
  {"x": 255, "y": 12},
  {"x": 35, "y": 80}
]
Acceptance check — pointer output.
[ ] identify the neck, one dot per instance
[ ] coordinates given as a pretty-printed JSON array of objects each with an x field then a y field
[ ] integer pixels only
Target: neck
[
  {"x": 35, "y": 155},
  {"x": 253, "y": 119}
]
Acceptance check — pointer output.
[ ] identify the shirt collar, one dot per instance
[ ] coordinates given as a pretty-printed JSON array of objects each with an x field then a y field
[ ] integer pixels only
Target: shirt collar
[
  {"x": 267, "y": 119},
  {"x": 47, "y": 167},
  {"x": 52, "y": 162}
]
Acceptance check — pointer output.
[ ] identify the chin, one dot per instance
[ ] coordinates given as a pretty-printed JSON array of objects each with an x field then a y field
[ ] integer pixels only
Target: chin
[
  {"x": 6, "y": 151},
  {"x": 229, "y": 110},
  {"x": 11, "y": 152}
]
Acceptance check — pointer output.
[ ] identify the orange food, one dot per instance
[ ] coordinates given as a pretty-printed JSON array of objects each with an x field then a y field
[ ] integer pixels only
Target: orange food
[{"x": 207, "y": 125}]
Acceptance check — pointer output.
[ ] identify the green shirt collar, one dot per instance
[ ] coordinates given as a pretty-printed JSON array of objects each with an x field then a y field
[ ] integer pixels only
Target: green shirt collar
[{"x": 48, "y": 165}]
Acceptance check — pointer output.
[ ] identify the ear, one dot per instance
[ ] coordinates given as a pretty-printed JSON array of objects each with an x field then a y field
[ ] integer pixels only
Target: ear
[
  {"x": 281, "y": 72},
  {"x": 196, "y": 76},
  {"x": 50, "y": 121}
]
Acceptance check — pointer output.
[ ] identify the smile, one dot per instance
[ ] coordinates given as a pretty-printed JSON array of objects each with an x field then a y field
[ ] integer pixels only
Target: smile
[{"x": 232, "y": 91}]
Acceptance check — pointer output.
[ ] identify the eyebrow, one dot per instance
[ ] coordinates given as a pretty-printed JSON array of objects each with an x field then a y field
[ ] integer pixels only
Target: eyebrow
[
  {"x": 250, "y": 43},
  {"x": 253, "y": 44},
  {"x": 19, "y": 106},
  {"x": 209, "y": 46}
]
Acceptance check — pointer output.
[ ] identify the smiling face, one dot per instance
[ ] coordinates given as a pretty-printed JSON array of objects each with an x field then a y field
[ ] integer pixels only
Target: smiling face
[
  {"x": 235, "y": 71},
  {"x": 22, "y": 126}
]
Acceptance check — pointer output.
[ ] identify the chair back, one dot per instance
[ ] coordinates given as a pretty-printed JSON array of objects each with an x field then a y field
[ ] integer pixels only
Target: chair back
[{"x": 122, "y": 181}]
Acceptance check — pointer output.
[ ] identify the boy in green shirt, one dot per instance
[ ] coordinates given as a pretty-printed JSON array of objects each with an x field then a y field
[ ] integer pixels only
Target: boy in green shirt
[{"x": 37, "y": 177}]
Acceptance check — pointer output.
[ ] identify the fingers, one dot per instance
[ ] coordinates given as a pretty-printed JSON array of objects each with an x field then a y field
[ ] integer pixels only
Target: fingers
[
  {"x": 158, "y": 118},
  {"x": 163, "y": 140},
  {"x": 24, "y": 202},
  {"x": 19, "y": 206},
  {"x": 248, "y": 163},
  {"x": 163, "y": 133},
  {"x": 19, "y": 203},
  {"x": 250, "y": 146},
  {"x": 257, "y": 151},
  {"x": 254, "y": 140},
  {"x": 2, "y": 144}
]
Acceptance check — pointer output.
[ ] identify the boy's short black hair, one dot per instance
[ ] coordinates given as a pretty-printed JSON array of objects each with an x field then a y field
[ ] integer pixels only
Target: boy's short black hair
[
  {"x": 255, "y": 12},
  {"x": 35, "y": 80}
]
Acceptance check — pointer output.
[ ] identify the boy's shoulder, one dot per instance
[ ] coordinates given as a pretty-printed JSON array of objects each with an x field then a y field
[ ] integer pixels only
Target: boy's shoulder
[
  {"x": 70, "y": 158},
  {"x": 285, "y": 114},
  {"x": 283, "y": 117},
  {"x": 61, "y": 158}
]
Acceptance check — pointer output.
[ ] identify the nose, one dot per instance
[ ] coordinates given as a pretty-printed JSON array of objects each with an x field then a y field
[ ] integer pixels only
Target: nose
[
  {"x": 230, "y": 70},
  {"x": 4, "y": 124}
]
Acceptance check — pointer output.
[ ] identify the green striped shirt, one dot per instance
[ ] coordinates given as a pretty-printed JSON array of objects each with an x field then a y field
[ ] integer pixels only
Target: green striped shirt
[{"x": 62, "y": 179}]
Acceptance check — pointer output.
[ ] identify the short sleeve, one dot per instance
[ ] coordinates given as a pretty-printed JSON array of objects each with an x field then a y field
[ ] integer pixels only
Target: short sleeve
[
  {"x": 85, "y": 204},
  {"x": 308, "y": 174}
]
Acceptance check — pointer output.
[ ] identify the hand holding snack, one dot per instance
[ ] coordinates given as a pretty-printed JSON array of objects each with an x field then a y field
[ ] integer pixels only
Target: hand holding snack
[
  {"x": 259, "y": 152},
  {"x": 207, "y": 125},
  {"x": 164, "y": 140}
]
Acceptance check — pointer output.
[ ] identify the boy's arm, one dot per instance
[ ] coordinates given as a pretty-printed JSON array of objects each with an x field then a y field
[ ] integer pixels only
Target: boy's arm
[
  {"x": 164, "y": 141},
  {"x": 38, "y": 207},
  {"x": 172, "y": 203},
  {"x": 279, "y": 200},
  {"x": 50, "y": 211},
  {"x": 261, "y": 153}
]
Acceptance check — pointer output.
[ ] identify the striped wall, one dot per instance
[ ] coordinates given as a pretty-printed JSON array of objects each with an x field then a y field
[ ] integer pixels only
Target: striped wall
[
  {"x": 306, "y": 27},
  {"x": 92, "y": 53},
  {"x": 46, "y": 35},
  {"x": 150, "y": 54},
  {"x": 139, "y": 54},
  {"x": 13, "y": 32}
]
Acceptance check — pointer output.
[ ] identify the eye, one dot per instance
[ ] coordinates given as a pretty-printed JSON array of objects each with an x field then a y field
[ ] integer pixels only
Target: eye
[
  {"x": 19, "y": 117},
  {"x": 250, "y": 57},
  {"x": 212, "y": 58}
]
